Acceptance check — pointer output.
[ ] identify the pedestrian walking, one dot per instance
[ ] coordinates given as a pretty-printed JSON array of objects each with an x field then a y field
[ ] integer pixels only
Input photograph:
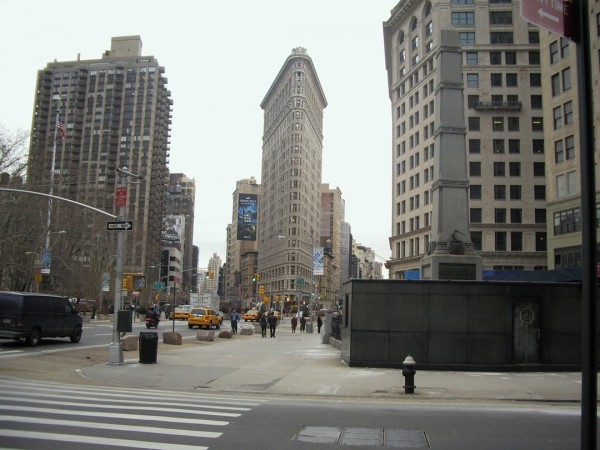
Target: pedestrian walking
[
  {"x": 302, "y": 324},
  {"x": 272, "y": 323},
  {"x": 234, "y": 318},
  {"x": 294, "y": 324},
  {"x": 263, "y": 325},
  {"x": 319, "y": 323}
]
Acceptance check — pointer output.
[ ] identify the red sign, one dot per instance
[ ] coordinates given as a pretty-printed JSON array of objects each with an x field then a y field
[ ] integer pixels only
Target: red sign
[
  {"x": 553, "y": 15},
  {"x": 121, "y": 196}
]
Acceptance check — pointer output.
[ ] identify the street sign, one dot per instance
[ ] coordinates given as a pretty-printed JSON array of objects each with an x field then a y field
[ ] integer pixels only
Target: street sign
[
  {"x": 299, "y": 281},
  {"x": 125, "y": 225},
  {"x": 558, "y": 16},
  {"x": 158, "y": 285},
  {"x": 121, "y": 196}
]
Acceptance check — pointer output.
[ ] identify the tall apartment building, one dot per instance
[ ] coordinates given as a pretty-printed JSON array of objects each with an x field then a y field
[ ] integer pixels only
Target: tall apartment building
[
  {"x": 504, "y": 130},
  {"x": 116, "y": 112},
  {"x": 332, "y": 210},
  {"x": 563, "y": 157},
  {"x": 290, "y": 201},
  {"x": 179, "y": 205},
  {"x": 241, "y": 237}
]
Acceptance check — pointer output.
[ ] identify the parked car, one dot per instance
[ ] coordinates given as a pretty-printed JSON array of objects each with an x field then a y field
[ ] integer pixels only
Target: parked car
[
  {"x": 251, "y": 315},
  {"x": 204, "y": 317},
  {"x": 30, "y": 316}
]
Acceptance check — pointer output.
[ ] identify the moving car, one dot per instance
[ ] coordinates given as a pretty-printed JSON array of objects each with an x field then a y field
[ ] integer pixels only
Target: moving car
[
  {"x": 181, "y": 312},
  {"x": 30, "y": 316},
  {"x": 251, "y": 315},
  {"x": 204, "y": 317}
]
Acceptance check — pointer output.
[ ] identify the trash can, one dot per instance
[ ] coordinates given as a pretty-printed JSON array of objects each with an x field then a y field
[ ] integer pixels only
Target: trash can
[
  {"x": 148, "y": 347},
  {"x": 309, "y": 326}
]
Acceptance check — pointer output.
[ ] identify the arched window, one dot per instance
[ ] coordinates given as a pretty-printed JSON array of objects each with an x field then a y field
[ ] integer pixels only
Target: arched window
[
  {"x": 427, "y": 9},
  {"x": 413, "y": 24},
  {"x": 401, "y": 38}
]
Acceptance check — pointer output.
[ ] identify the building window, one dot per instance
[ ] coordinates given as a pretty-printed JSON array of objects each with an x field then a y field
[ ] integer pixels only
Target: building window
[
  {"x": 474, "y": 169},
  {"x": 498, "y": 123},
  {"x": 557, "y": 117},
  {"x": 564, "y": 47},
  {"x": 537, "y": 145},
  {"x": 516, "y": 215},
  {"x": 536, "y": 102},
  {"x": 511, "y": 80},
  {"x": 500, "y": 17},
  {"x": 534, "y": 58},
  {"x": 499, "y": 169},
  {"x": 566, "y": 79},
  {"x": 539, "y": 192},
  {"x": 475, "y": 215},
  {"x": 510, "y": 58},
  {"x": 501, "y": 37},
  {"x": 555, "y": 83},
  {"x": 495, "y": 58},
  {"x": 570, "y": 147},
  {"x": 514, "y": 146},
  {"x": 475, "y": 146},
  {"x": 568, "y": 221},
  {"x": 540, "y": 241},
  {"x": 535, "y": 80},
  {"x": 516, "y": 241},
  {"x": 498, "y": 145},
  {"x": 496, "y": 79},
  {"x": 537, "y": 124},
  {"x": 472, "y": 101},
  {"x": 500, "y": 241},
  {"x": 476, "y": 239},
  {"x": 474, "y": 124},
  {"x": 513, "y": 123},
  {"x": 568, "y": 108},
  {"x": 473, "y": 80},
  {"x": 499, "y": 215},
  {"x": 559, "y": 153},
  {"x": 565, "y": 185},
  {"x": 471, "y": 58},
  {"x": 463, "y": 18},
  {"x": 553, "y": 49},
  {"x": 534, "y": 37},
  {"x": 467, "y": 38},
  {"x": 540, "y": 215},
  {"x": 475, "y": 192},
  {"x": 499, "y": 192},
  {"x": 539, "y": 169},
  {"x": 515, "y": 192},
  {"x": 514, "y": 169}
]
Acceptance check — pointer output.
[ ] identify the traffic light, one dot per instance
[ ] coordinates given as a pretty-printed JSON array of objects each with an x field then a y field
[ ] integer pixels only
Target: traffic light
[
  {"x": 254, "y": 278},
  {"x": 258, "y": 277},
  {"x": 127, "y": 282},
  {"x": 261, "y": 289}
]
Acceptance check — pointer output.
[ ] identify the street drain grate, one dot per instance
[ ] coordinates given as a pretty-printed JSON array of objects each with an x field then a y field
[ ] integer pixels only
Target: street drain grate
[{"x": 363, "y": 437}]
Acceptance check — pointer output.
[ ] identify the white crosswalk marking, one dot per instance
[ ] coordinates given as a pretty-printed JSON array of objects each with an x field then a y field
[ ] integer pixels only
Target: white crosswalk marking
[{"x": 32, "y": 412}]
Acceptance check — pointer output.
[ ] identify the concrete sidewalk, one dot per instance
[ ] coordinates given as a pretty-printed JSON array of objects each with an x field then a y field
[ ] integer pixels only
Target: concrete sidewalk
[{"x": 300, "y": 364}]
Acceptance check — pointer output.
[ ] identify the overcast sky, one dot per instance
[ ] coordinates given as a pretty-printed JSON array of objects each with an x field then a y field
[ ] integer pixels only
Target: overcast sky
[{"x": 220, "y": 58}]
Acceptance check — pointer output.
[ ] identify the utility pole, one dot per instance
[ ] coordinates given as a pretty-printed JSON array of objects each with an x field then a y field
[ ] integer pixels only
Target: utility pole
[{"x": 115, "y": 350}]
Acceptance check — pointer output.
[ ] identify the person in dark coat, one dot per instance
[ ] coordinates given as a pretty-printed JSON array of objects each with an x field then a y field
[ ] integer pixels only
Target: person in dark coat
[
  {"x": 272, "y": 323},
  {"x": 319, "y": 323},
  {"x": 294, "y": 324},
  {"x": 302, "y": 324},
  {"x": 234, "y": 317},
  {"x": 263, "y": 325}
]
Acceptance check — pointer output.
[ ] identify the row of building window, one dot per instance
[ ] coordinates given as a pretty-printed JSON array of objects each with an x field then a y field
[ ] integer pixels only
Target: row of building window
[{"x": 513, "y": 123}]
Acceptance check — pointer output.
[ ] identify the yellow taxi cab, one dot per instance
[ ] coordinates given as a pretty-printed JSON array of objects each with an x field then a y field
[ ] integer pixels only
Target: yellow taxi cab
[
  {"x": 251, "y": 315},
  {"x": 204, "y": 317},
  {"x": 181, "y": 312}
]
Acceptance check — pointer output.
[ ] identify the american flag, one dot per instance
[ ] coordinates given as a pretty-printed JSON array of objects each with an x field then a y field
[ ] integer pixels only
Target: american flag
[{"x": 61, "y": 129}]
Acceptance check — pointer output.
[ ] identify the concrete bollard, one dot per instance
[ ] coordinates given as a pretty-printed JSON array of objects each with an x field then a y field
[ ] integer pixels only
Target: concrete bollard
[{"x": 408, "y": 372}]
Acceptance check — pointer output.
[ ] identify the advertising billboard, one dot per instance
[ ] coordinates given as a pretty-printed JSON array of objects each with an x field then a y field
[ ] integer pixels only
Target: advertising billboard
[
  {"x": 318, "y": 258},
  {"x": 247, "y": 216},
  {"x": 172, "y": 229}
]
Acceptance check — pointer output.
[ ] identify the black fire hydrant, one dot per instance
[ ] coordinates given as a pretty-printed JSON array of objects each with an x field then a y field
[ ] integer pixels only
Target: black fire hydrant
[{"x": 408, "y": 372}]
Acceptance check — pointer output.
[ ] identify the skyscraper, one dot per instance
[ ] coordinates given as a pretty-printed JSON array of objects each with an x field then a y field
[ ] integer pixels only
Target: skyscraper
[
  {"x": 504, "y": 135},
  {"x": 115, "y": 112},
  {"x": 290, "y": 201}
]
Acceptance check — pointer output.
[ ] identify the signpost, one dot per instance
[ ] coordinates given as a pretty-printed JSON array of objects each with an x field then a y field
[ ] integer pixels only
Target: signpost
[
  {"x": 553, "y": 15},
  {"x": 124, "y": 225},
  {"x": 121, "y": 196}
]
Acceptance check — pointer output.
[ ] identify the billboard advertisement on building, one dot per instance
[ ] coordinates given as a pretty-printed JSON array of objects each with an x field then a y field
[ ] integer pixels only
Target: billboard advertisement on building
[
  {"x": 318, "y": 259},
  {"x": 247, "y": 215},
  {"x": 172, "y": 229}
]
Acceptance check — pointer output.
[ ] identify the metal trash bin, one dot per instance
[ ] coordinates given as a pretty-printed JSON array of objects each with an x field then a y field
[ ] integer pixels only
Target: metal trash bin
[
  {"x": 148, "y": 347},
  {"x": 309, "y": 326}
]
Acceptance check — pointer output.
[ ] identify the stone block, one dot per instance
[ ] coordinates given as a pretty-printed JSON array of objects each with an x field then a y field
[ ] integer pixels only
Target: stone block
[
  {"x": 129, "y": 343},
  {"x": 205, "y": 335},
  {"x": 247, "y": 330},
  {"x": 172, "y": 338},
  {"x": 225, "y": 334}
]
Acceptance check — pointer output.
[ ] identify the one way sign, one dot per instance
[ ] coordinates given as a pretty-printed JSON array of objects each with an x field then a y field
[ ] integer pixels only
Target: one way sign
[{"x": 125, "y": 225}]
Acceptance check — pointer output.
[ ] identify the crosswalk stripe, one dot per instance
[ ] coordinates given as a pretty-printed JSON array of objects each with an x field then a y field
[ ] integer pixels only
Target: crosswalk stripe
[
  {"x": 97, "y": 440},
  {"x": 114, "y": 415},
  {"x": 134, "y": 408},
  {"x": 110, "y": 426},
  {"x": 94, "y": 400}
]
